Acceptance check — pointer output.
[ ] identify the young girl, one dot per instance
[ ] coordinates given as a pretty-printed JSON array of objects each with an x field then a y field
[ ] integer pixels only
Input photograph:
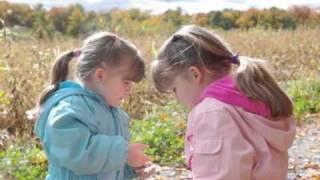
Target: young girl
[
  {"x": 83, "y": 132},
  {"x": 240, "y": 125}
]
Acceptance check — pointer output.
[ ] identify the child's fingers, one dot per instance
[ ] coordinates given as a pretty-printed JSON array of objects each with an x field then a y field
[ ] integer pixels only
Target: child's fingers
[
  {"x": 146, "y": 171},
  {"x": 147, "y": 164},
  {"x": 139, "y": 171},
  {"x": 141, "y": 160},
  {"x": 144, "y": 158},
  {"x": 143, "y": 173}
]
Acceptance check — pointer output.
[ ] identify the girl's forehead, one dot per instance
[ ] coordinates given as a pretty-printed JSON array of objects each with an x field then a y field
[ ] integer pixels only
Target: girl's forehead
[
  {"x": 125, "y": 72},
  {"x": 121, "y": 71}
]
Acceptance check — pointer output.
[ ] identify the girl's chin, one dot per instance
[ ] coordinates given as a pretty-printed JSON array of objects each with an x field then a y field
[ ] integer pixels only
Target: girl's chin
[{"x": 117, "y": 103}]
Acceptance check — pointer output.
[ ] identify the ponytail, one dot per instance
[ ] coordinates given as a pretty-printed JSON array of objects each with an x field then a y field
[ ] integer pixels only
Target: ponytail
[
  {"x": 256, "y": 82},
  {"x": 59, "y": 73}
]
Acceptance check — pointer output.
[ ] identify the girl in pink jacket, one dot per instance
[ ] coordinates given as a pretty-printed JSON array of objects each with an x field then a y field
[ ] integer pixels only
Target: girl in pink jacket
[{"x": 240, "y": 125}]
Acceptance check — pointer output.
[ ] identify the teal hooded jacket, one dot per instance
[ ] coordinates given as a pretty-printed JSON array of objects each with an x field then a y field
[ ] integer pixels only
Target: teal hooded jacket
[{"x": 83, "y": 137}]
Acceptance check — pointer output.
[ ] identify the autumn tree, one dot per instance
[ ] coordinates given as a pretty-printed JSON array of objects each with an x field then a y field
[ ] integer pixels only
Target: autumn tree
[
  {"x": 42, "y": 28},
  {"x": 248, "y": 19},
  {"x": 275, "y": 18},
  {"x": 76, "y": 20},
  {"x": 223, "y": 19}
]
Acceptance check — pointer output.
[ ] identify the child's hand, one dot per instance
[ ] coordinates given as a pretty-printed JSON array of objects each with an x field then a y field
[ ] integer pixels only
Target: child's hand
[
  {"x": 146, "y": 170},
  {"x": 136, "y": 156}
]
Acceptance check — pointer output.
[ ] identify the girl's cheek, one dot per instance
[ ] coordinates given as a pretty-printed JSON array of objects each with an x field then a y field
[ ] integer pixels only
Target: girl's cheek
[{"x": 126, "y": 93}]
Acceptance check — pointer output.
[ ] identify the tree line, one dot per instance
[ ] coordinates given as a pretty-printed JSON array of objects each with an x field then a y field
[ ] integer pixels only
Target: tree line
[{"x": 74, "y": 20}]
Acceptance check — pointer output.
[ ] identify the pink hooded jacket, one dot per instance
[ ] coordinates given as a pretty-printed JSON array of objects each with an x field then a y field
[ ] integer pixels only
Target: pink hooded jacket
[{"x": 232, "y": 137}]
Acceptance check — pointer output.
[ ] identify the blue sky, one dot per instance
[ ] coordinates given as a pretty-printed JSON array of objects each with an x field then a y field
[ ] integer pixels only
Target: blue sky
[{"x": 159, "y": 6}]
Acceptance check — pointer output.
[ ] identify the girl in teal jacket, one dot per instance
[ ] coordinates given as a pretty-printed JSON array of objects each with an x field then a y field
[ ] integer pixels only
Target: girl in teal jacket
[{"x": 83, "y": 131}]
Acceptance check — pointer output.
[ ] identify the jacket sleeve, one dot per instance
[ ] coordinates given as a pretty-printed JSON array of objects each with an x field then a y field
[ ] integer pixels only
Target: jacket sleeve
[
  {"x": 77, "y": 147},
  {"x": 129, "y": 172},
  {"x": 219, "y": 151}
]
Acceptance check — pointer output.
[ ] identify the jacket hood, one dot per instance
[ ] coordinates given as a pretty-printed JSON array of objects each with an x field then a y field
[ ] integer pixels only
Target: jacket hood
[
  {"x": 278, "y": 132},
  {"x": 66, "y": 89}
]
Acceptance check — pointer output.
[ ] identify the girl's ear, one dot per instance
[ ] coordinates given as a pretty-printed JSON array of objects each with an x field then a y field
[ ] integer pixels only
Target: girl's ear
[
  {"x": 99, "y": 73},
  {"x": 196, "y": 74}
]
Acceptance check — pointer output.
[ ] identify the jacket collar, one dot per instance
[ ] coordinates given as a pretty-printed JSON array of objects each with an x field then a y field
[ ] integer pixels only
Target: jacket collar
[{"x": 225, "y": 90}]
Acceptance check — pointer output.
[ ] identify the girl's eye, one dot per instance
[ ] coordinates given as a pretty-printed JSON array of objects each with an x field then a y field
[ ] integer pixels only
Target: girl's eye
[
  {"x": 127, "y": 83},
  {"x": 174, "y": 90}
]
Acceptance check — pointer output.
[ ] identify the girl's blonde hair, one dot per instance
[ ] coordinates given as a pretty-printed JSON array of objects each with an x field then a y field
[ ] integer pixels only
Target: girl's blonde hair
[
  {"x": 100, "y": 48},
  {"x": 196, "y": 46}
]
